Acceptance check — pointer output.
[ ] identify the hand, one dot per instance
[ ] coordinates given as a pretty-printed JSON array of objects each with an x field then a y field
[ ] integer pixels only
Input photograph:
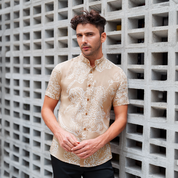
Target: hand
[
  {"x": 86, "y": 148},
  {"x": 67, "y": 140}
]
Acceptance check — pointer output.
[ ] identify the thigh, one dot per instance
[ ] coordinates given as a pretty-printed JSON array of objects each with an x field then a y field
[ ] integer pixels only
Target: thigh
[
  {"x": 102, "y": 171},
  {"x": 64, "y": 170}
]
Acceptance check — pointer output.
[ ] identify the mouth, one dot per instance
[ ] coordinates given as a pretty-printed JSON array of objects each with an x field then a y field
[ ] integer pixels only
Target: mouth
[{"x": 85, "y": 47}]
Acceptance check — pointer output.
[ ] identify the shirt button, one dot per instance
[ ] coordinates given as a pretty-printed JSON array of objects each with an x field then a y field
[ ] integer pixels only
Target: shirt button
[
  {"x": 84, "y": 129},
  {"x": 87, "y": 99},
  {"x": 89, "y": 85},
  {"x": 91, "y": 71},
  {"x": 86, "y": 113}
]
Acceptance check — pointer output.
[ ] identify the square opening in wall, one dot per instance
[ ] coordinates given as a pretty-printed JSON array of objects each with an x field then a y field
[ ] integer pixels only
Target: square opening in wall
[
  {"x": 26, "y": 12},
  {"x": 135, "y": 38},
  {"x": 133, "y": 164},
  {"x": 157, "y": 150},
  {"x": 37, "y": 20},
  {"x": 37, "y": 35},
  {"x": 134, "y": 144},
  {"x": 159, "y": 1},
  {"x": 36, "y": 120},
  {"x": 114, "y": 25},
  {"x": 26, "y": 60},
  {"x": 136, "y": 74},
  {"x": 136, "y": 3},
  {"x": 176, "y": 115},
  {"x": 16, "y": 14},
  {"x": 49, "y": 44},
  {"x": 136, "y": 109},
  {"x": 16, "y": 2},
  {"x": 62, "y": 31},
  {"x": 136, "y": 22},
  {"x": 26, "y": 22},
  {"x": 49, "y": 18},
  {"x": 47, "y": 173},
  {"x": 37, "y": 70},
  {"x": 113, "y": 39},
  {"x": 159, "y": 96},
  {"x": 63, "y": 43},
  {"x": 7, "y": 17},
  {"x": 49, "y": 33},
  {"x": 160, "y": 36},
  {"x": 7, "y": 26},
  {"x": 96, "y": 7},
  {"x": 134, "y": 129},
  {"x": 26, "y": 70},
  {"x": 77, "y": 2},
  {"x": 62, "y": 58},
  {"x": 62, "y": 4},
  {"x": 26, "y": 36},
  {"x": 37, "y": 60},
  {"x": 128, "y": 175},
  {"x": 49, "y": 6},
  {"x": 37, "y": 45},
  {"x": 74, "y": 43},
  {"x": 16, "y": 25},
  {"x": 115, "y": 159},
  {"x": 77, "y": 11},
  {"x": 37, "y": 10},
  {"x": 159, "y": 58},
  {"x": 136, "y": 58},
  {"x": 114, "y": 5},
  {"x": 159, "y": 113},
  {"x": 49, "y": 60},
  {"x": 115, "y": 58},
  {"x": 26, "y": 117},
  {"x": 37, "y": 85},
  {"x": 161, "y": 19},
  {"x": 26, "y": 46},
  {"x": 176, "y": 75},
  {"x": 63, "y": 15},
  {"x": 48, "y": 70},
  {"x": 159, "y": 74},
  {"x": 16, "y": 37},
  {"x": 155, "y": 170}
]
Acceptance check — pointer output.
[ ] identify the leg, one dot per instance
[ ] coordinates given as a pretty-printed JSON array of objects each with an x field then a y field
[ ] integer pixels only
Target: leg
[
  {"x": 64, "y": 170},
  {"x": 102, "y": 171}
]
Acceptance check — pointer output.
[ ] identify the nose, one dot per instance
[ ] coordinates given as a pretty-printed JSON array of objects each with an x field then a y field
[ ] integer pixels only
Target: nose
[{"x": 84, "y": 39}]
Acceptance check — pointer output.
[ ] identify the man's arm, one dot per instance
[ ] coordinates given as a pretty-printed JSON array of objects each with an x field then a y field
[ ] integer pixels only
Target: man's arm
[
  {"x": 66, "y": 140},
  {"x": 88, "y": 147}
]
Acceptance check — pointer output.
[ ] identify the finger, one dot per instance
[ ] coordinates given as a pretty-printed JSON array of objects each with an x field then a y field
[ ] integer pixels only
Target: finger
[
  {"x": 78, "y": 147},
  {"x": 74, "y": 141}
]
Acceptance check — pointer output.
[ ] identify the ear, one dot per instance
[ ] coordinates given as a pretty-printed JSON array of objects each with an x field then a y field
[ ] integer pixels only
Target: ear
[{"x": 103, "y": 37}]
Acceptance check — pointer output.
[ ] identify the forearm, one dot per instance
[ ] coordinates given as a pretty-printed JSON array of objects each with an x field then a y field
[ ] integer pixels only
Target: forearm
[
  {"x": 114, "y": 130},
  {"x": 50, "y": 120}
]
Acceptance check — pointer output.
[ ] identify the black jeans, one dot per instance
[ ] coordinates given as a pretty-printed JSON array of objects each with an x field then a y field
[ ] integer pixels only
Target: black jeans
[{"x": 66, "y": 170}]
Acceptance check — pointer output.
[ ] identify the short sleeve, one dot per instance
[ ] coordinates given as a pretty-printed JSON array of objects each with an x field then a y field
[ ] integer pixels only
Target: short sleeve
[
  {"x": 121, "y": 96},
  {"x": 54, "y": 89}
]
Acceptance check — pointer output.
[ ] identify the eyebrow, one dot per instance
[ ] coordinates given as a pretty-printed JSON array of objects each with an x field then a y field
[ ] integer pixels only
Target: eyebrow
[{"x": 84, "y": 33}]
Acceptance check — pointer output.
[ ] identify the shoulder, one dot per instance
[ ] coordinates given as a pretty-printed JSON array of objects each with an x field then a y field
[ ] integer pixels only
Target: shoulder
[
  {"x": 115, "y": 69},
  {"x": 65, "y": 65}
]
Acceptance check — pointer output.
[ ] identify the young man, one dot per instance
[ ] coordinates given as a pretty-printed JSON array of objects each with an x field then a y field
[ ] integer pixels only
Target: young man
[{"x": 87, "y": 87}]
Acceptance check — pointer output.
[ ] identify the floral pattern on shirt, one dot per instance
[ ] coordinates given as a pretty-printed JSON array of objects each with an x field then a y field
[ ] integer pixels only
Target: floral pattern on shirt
[{"x": 86, "y": 95}]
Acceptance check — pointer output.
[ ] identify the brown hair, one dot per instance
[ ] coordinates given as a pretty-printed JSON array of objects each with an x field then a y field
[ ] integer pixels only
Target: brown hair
[{"x": 91, "y": 17}]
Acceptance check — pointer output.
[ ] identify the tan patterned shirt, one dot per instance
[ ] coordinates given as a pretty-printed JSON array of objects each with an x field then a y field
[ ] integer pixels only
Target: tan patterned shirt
[{"x": 86, "y": 95}]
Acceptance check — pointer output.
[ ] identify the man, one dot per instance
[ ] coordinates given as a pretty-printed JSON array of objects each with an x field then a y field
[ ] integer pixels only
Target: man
[{"x": 87, "y": 87}]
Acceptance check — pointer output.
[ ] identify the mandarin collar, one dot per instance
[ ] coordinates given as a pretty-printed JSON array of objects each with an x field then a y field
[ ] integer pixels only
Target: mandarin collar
[{"x": 85, "y": 60}]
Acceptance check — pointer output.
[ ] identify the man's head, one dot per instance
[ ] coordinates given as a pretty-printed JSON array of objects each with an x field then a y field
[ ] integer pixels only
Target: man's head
[
  {"x": 91, "y": 17},
  {"x": 90, "y": 33}
]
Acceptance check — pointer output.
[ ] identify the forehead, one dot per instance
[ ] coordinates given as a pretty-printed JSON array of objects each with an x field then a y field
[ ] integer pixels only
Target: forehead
[{"x": 84, "y": 28}]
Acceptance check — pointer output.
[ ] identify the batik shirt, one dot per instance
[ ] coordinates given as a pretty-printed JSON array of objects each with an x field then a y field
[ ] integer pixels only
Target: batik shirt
[{"x": 86, "y": 95}]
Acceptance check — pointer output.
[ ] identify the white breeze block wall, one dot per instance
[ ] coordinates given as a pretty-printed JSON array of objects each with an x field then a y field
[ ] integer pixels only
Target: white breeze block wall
[{"x": 35, "y": 36}]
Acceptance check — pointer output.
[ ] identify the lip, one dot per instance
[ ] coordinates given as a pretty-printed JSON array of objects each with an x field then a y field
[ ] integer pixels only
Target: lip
[{"x": 85, "y": 48}]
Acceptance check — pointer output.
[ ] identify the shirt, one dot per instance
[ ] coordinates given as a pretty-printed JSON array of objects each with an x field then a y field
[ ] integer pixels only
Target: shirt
[{"x": 86, "y": 95}]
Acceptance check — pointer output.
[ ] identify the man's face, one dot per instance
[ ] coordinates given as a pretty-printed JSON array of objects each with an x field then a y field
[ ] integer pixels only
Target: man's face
[{"x": 89, "y": 40}]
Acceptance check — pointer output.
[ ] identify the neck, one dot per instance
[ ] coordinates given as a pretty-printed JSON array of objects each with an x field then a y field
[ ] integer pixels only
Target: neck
[{"x": 92, "y": 59}]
